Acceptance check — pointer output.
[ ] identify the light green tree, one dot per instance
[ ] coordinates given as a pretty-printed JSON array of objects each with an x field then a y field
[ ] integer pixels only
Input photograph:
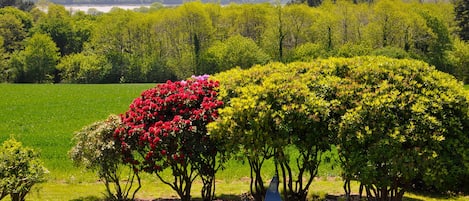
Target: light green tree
[
  {"x": 459, "y": 59},
  {"x": 236, "y": 51},
  {"x": 12, "y": 31},
  {"x": 37, "y": 62},
  {"x": 82, "y": 68}
]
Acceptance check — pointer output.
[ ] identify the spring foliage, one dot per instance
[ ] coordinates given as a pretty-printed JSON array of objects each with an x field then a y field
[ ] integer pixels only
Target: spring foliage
[
  {"x": 173, "y": 43},
  {"x": 20, "y": 170},
  {"x": 393, "y": 121}
]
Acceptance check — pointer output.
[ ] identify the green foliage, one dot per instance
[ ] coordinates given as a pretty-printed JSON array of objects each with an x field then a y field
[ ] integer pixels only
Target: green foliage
[
  {"x": 24, "y": 16},
  {"x": 434, "y": 50},
  {"x": 400, "y": 121},
  {"x": 395, "y": 121},
  {"x": 459, "y": 59},
  {"x": 236, "y": 51},
  {"x": 271, "y": 109},
  {"x": 20, "y": 170},
  {"x": 12, "y": 30},
  {"x": 25, "y": 5},
  {"x": 352, "y": 50},
  {"x": 462, "y": 18},
  {"x": 391, "y": 52},
  {"x": 173, "y": 43},
  {"x": 7, "y": 74},
  {"x": 37, "y": 62},
  {"x": 81, "y": 68},
  {"x": 309, "y": 52},
  {"x": 68, "y": 33},
  {"x": 96, "y": 150}
]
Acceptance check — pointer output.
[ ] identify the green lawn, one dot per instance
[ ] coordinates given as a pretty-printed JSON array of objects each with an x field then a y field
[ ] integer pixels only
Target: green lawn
[{"x": 44, "y": 117}]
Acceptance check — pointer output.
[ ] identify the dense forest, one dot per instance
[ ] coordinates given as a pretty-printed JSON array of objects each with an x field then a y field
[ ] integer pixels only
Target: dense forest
[{"x": 43, "y": 42}]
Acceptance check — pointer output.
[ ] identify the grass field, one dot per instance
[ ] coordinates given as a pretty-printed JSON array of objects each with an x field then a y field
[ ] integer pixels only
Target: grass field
[{"x": 44, "y": 117}]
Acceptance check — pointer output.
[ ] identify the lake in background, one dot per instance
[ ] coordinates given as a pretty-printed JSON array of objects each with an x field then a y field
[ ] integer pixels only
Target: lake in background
[{"x": 101, "y": 8}]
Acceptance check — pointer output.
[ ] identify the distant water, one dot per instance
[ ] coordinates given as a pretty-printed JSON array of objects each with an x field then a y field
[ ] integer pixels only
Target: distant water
[{"x": 101, "y": 8}]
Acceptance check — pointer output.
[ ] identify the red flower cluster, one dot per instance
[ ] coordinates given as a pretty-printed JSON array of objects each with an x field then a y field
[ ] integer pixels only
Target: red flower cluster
[{"x": 166, "y": 125}]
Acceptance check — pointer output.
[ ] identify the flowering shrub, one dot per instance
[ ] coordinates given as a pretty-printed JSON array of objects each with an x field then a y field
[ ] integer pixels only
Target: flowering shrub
[
  {"x": 166, "y": 128},
  {"x": 96, "y": 149}
]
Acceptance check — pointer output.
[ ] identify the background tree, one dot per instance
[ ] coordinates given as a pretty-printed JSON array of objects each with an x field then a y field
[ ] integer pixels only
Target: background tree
[
  {"x": 57, "y": 23},
  {"x": 311, "y": 3},
  {"x": 326, "y": 27},
  {"x": 37, "y": 62},
  {"x": 7, "y": 74},
  {"x": 113, "y": 41},
  {"x": 236, "y": 51},
  {"x": 459, "y": 59},
  {"x": 83, "y": 68},
  {"x": 298, "y": 20},
  {"x": 20, "y": 170},
  {"x": 12, "y": 30},
  {"x": 434, "y": 50},
  {"x": 462, "y": 18},
  {"x": 25, "y": 5},
  {"x": 95, "y": 149},
  {"x": 249, "y": 20}
]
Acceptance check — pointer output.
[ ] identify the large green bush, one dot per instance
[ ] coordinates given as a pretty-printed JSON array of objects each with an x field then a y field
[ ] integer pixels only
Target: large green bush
[
  {"x": 403, "y": 121},
  {"x": 20, "y": 170},
  {"x": 271, "y": 111},
  {"x": 392, "y": 120}
]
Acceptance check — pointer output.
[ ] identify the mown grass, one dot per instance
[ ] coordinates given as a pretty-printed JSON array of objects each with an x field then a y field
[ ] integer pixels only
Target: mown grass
[{"x": 44, "y": 117}]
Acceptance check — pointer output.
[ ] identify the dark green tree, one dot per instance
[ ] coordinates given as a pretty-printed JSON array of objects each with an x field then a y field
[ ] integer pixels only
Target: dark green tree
[
  {"x": 462, "y": 18},
  {"x": 310, "y": 3},
  {"x": 435, "y": 48},
  {"x": 20, "y": 4},
  {"x": 58, "y": 25}
]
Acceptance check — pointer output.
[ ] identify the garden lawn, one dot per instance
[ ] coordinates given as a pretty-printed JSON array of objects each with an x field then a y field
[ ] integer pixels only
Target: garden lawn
[{"x": 45, "y": 116}]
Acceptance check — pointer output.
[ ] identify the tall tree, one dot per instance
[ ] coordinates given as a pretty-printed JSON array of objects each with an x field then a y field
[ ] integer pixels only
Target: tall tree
[
  {"x": 310, "y": 3},
  {"x": 12, "y": 31},
  {"x": 462, "y": 17},
  {"x": 69, "y": 32},
  {"x": 38, "y": 60},
  {"x": 20, "y": 4}
]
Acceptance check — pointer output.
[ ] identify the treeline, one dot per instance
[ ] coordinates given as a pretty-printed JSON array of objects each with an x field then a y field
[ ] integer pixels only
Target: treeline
[
  {"x": 158, "y": 43},
  {"x": 143, "y": 2}
]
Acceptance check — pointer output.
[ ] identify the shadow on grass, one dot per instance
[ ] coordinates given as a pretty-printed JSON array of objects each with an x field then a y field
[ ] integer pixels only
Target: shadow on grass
[
  {"x": 353, "y": 198},
  {"x": 87, "y": 198},
  {"x": 411, "y": 199},
  {"x": 229, "y": 197}
]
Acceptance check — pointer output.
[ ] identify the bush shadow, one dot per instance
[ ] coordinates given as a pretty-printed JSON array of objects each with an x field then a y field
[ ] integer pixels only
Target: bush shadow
[{"x": 88, "y": 198}]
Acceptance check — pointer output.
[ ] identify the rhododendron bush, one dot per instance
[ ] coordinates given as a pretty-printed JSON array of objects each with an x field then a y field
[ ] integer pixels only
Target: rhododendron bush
[{"x": 166, "y": 128}]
